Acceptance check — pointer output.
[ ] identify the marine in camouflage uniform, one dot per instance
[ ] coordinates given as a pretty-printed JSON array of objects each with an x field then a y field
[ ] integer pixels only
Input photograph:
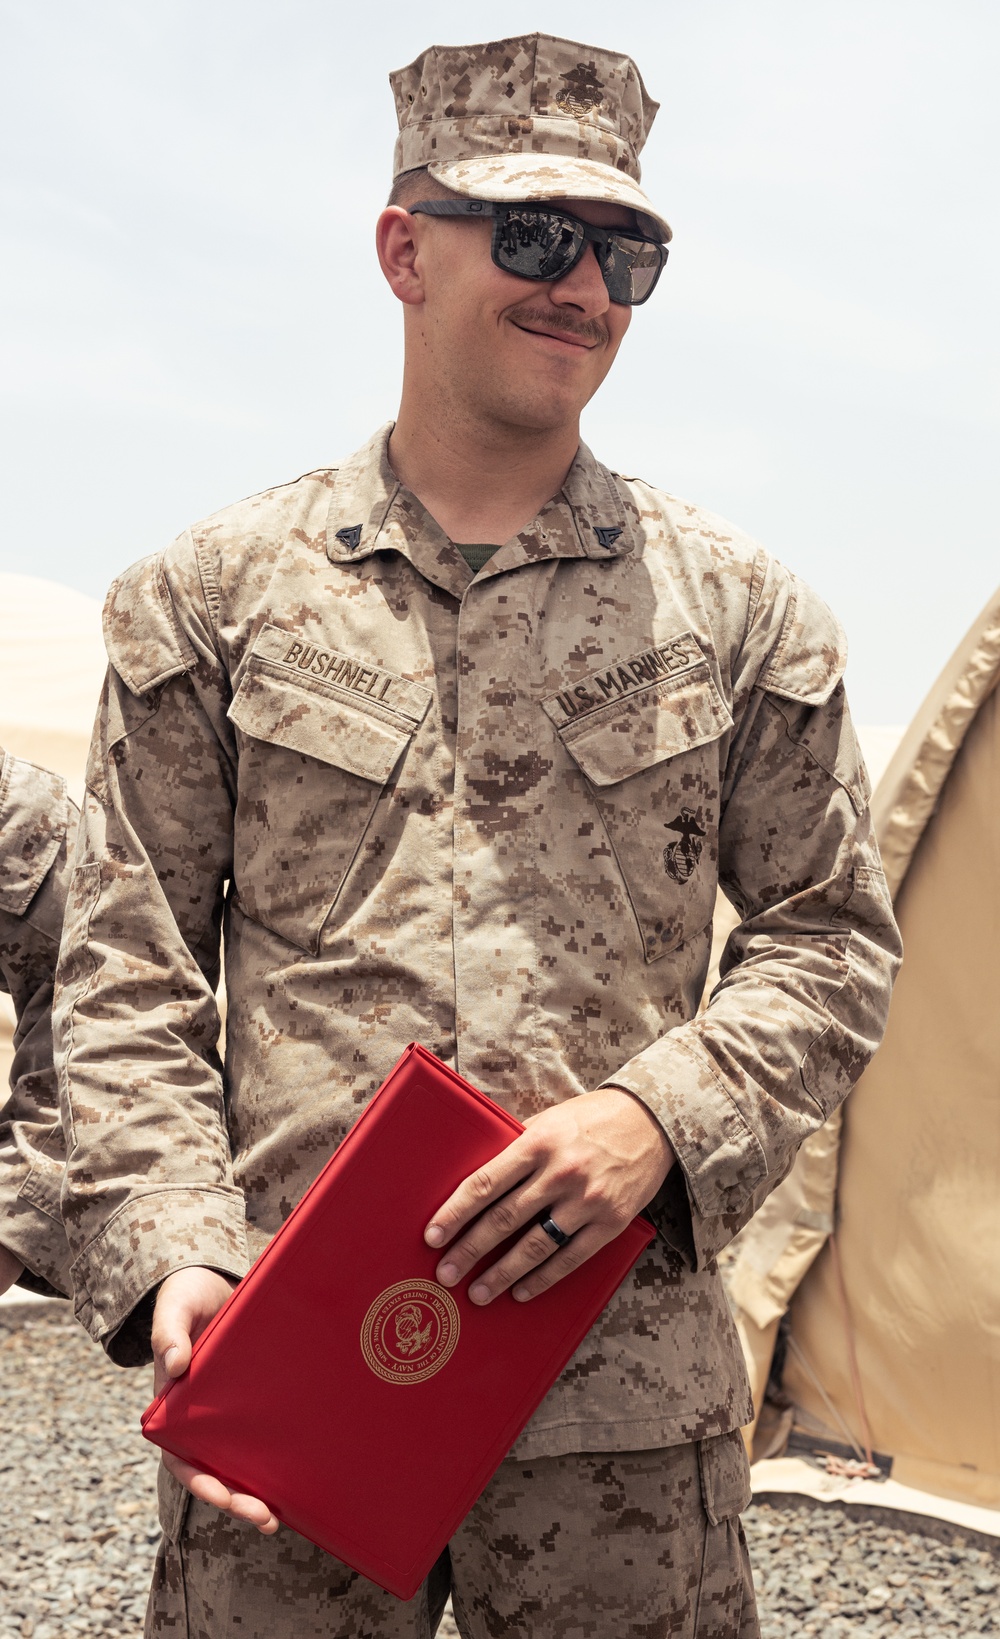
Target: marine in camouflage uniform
[
  {"x": 37, "y": 828},
  {"x": 488, "y": 811}
]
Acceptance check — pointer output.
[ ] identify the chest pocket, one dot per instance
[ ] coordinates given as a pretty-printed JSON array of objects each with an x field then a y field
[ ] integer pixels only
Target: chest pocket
[
  {"x": 652, "y": 762},
  {"x": 315, "y": 757}
]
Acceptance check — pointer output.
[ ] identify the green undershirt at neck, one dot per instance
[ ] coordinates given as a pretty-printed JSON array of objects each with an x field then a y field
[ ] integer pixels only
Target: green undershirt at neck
[{"x": 476, "y": 556}]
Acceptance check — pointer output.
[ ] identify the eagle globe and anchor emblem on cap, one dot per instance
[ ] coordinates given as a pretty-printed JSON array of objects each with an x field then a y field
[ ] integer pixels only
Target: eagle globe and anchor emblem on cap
[{"x": 410, "y": 1331}]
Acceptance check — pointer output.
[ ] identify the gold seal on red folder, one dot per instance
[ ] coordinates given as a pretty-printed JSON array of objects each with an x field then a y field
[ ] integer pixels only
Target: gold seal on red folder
[{"x": 410, "y": 1331}]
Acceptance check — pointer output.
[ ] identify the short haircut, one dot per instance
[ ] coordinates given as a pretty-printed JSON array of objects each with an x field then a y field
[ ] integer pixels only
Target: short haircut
[{"x": 409, "y": 186}]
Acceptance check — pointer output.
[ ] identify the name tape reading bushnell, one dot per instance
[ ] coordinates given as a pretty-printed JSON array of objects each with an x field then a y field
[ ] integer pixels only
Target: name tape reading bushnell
[
  {"x": 338, "y": 668},
  {"x": 318, "y": 667},
  {"x": 629, "y": 676}
]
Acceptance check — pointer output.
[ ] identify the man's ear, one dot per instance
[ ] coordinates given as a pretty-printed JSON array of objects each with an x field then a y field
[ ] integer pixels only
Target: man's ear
[{"x": 396, "y": 243}]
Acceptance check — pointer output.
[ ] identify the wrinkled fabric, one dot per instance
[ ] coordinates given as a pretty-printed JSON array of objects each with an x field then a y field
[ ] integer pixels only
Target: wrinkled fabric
[
  {"x": 484, "y": 813},
  {"x": 534, "y": 92},
  {"x": 533, "y": 117},
  {"x": 37, "y": 829},
  {"x": 639, "y": 1545}
]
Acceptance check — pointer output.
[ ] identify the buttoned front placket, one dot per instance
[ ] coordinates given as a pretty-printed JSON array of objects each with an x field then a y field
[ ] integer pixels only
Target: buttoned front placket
[
  {"x": 499, "y": 764},
  {"x": 505, "y": 759},
  {"x": 504, "y": 749}
]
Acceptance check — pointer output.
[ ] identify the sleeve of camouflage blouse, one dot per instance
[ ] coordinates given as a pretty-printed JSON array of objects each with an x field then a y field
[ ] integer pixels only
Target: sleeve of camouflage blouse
[
  {"x": 149, "y": 1186},
  {"x": 37, "y": 822},
  {"x": 804, "y": 993}
]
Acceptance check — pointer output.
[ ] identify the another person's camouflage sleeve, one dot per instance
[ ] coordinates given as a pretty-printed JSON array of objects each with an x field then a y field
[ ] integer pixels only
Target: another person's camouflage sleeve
[
  {"x": 806, "y": 978},
  {"x": 148, "y": 1185},
  {"x": 37, "y": 826}
]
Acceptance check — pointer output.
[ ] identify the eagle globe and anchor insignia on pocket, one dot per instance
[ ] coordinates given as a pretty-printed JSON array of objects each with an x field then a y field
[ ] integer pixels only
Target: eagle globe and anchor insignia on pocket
[
  {"x": 646, "y": 733},
  {"x": 410, "y": 1331},
  {"x": 680, "y": 858}
]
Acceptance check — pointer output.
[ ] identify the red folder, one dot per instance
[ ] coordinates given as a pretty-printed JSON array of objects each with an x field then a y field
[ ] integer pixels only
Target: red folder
[{"x": 364, "y": 1403}]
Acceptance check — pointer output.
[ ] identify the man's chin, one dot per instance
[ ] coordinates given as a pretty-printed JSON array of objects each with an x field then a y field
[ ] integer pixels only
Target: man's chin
[{"x": 541, "y": 412}]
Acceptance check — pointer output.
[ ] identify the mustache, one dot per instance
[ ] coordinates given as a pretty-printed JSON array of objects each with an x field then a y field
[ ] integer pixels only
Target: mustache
[{"x": 548, "y": 318}]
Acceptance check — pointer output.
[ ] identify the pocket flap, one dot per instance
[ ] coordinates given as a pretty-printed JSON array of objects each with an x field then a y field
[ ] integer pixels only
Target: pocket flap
[
  {"x": 145, "y": 643},
  {"x": 626, "y": 736},
  {"x": 725, "y": 1476},
  {"x": 811, "y": 653},
  {"x": 33, "y": 815},
  {"x": 313, "y": 720}
]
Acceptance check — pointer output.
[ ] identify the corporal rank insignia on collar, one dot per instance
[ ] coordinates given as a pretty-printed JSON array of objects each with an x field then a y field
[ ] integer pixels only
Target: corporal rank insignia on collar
[
  {"x": 681, "y": 857},
  {"x": 607, "y": 537},
  {"x": 351, "y": 537}
]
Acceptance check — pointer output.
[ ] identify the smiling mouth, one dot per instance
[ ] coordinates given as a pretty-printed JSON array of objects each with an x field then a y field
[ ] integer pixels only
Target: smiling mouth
[{"x": 566, "y": 339}]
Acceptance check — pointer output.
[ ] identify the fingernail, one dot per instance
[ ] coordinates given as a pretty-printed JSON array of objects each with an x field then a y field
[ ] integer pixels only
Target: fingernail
[
  {"x": 480, "y": 1294},
  {"x": 170, "y": 1356},
  {"x": 521, "y": 1294},
  {"x": 448, "y": 1274},
  {"x": 434, "y": 1235}
]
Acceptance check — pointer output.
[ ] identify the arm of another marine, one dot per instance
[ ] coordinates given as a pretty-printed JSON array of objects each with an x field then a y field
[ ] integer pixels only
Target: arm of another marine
[{"x": 37, "y": 828}]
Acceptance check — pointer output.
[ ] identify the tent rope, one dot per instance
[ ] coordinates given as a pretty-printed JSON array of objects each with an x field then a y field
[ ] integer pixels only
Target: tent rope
[
  {"x": 800, "y": 1355},
  {"x": 852, "y": 1356}
]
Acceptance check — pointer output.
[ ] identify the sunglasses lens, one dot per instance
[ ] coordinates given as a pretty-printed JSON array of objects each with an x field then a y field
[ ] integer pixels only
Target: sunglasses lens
[
  {"x": 540, "y": 244},
  {"x": 536, "y": 244},
  {"x": 631, "y": 268}
]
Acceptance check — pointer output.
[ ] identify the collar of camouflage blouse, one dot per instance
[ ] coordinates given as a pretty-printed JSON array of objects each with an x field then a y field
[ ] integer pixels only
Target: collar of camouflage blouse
[
  {"x": 370, "y": 510},
  {"x": 534, "y": 117}
]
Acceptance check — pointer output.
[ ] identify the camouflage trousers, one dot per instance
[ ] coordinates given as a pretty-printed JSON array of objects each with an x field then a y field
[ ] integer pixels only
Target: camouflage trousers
[{"x": 609, "y": 1545}]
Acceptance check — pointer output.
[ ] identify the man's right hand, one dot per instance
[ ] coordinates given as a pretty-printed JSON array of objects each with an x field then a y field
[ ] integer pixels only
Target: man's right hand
[{"x": 185, "y": 1304}]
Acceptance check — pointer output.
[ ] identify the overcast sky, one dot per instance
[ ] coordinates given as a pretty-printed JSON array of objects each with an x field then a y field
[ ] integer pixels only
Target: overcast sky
[{"x": 192, "y": 310}]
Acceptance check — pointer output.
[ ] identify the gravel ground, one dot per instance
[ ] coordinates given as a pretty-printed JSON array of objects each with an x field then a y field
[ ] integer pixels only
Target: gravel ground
[
  {"x": 77, "y": 1484},
  {"x": 78, "y": 1512},
  {"x": 823, "y": 1570}
]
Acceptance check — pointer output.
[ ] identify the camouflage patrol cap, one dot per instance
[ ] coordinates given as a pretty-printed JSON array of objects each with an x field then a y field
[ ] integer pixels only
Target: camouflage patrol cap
[{"x": 534, "y": 117}]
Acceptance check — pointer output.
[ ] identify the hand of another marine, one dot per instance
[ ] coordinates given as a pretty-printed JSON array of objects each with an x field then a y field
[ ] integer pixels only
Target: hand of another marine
[
  {"x": 185, "y": 1303},
  {"x": 590, "y": 1163},
  {"x": 10, "y": 1269}
]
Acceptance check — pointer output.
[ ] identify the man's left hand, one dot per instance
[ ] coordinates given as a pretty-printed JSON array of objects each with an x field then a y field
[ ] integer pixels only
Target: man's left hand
[{"x": 590, "y": 1164}]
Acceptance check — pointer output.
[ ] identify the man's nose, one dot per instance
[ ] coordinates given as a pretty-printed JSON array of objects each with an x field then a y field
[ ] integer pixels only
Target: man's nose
[{"x": 583, "y": 286}]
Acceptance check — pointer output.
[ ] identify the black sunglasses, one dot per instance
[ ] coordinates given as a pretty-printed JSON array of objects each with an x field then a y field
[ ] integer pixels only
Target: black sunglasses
[{"x": 537, "y": 242}]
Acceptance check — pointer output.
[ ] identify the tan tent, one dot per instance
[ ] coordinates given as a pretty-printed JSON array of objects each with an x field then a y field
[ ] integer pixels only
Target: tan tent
[
  {"x": 52, "y": 663},
  {"x": 915, "y": 1192}
]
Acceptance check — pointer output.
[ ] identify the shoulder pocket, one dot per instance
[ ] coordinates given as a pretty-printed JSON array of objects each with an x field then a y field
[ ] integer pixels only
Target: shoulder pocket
[
  {"x": 33, "y": 824},
  {"x": 317, "y": 747},
  {"x": 651, "y": 755},
  {"x": 811, "y": 653},
  {"x": 144, "y": 640}
]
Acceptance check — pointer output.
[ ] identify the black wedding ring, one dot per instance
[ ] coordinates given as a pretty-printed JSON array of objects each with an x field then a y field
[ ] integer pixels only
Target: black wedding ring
[{"x": 553, "y": 1231}]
